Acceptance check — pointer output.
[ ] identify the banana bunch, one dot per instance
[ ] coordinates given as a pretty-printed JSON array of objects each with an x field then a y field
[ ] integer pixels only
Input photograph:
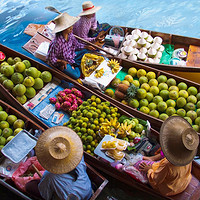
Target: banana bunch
[
  {"x": 117, "y": 155},
  {"x": 109, "y": 127},
  {"x": 125, "y": 129},
  {"x": 99, "y": 73},
  {"x": 114, "y": 65}
]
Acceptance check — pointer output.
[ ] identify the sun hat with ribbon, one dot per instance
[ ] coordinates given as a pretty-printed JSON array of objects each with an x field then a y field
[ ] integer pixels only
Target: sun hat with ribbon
[
  {"x": 59, "y": 150},
  {"x": 64, "y": 21},
  {"x": 179, "y": 141},
  {"x": 89, "y": 8}
]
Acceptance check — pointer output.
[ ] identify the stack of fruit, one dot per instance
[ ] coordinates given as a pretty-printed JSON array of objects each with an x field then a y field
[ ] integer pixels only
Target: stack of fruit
[
  {"x": 10, "y": 126},
  {"x": 67, "y": 100},
  {"x": 87, "y": 119},
  {"x": 160, "y": 96},
  {"x": 22, "y": 79}
]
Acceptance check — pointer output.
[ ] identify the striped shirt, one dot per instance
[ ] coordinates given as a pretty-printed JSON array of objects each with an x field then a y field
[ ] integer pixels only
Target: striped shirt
[
  {"x": 83, "y": 26},
  {"x": 63, "y": 49}
]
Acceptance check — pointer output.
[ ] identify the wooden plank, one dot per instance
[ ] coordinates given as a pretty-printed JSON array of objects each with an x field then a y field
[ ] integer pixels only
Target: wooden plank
[{"x": 193, "y": 58}]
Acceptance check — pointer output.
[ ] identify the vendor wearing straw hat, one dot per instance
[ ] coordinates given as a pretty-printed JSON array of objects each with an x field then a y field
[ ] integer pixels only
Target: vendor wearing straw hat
[
  {"x": 179, "y": 142},
  {"x": 60, "y": 151},
  {"x": 87, "y": 27},
  {"x": 65, "y": 50}
]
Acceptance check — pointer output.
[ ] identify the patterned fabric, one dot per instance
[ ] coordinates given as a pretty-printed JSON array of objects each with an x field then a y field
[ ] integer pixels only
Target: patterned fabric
[
  {"x": 61, "y": 49},
  {"x": 83, "y": 26},
  {"x": 75, "y": 182}
]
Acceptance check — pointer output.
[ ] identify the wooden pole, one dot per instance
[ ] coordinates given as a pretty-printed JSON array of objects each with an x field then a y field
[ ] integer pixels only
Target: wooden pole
[{"x": 38, "y": 172}]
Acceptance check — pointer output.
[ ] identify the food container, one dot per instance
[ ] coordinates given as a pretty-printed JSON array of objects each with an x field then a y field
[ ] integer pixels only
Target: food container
[{"x": 19, "y": 146}]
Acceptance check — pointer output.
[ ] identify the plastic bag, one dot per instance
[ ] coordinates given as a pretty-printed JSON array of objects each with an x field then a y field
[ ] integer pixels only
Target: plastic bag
[
  {"x": 26, "y": 173},
  {"x": 89, "y": 63},
  {"x": 134, "y": 173}
]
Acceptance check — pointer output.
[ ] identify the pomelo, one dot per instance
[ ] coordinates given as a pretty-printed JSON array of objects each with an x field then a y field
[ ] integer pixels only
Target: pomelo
[
  {"x": 188, "y": 119},
  {"x": 39, "y": 83},
  {"x": 183, "y": 93},
  {"x": 2, "y": 140},
  {"x": 181, "y": 102},
  {"x": 136, "y": 83},
  {"x": 20, "y": 67},
  {"x": 17, "y": 59},
  {"x": 29, "y": 81},
  {"x": 173, "y": 88},
  {"x": 191, "y": 114},
  {"x": 141, "y": 72},
  {"x": 2, "y": 78},
  {"x": 11, "y": 119},
  {"x": 22, "y": 99},
  {"x": 164, "y": 94},
  {"x": 143, "y": 102},
  {"x": 30, "y": 92},
  {"x": 171, "y": 82},
  {"x": 19, "y": 89},
  {"x": 7, "y": 70},
  {"x": 138, "y": 128},
  {"x": 163, "y": 116},
  {"x": 145, "y": 86},
  {"x": 189, "y": 106},
  {"x": 162, "y": 79},
  {"x": 149, "y": 96},
  {"x": 46, "y": 76},
  {"x": 3, "y": 115},
  {"x": 109, "y": 92},
  {"x": 17, "y": 130},
  {"x": 197, "y": 121},
  {"x": 195, "y": 127},
  {"x": 198, "y": 112},
  {"x": 17, "y": 78},
  {"x": 170, "y": 111},
  {"x": 157, "y": 99},
  {"x": 173, "y": 94},
  {"x": 198, "y": 104},
  {"x": 182, "y": 86},
  {"x": 192, "y": 99},
  {"x": 10, "y": 61},
  {"x": 162, "y": 106},
  {"x": 154, "y": 90},
  {"x": 1, "y": 108},
  {"x": 198, "y": 96},
  {"x": 115, "y": 82},
  {"x": 7, "y": 132},
  {"x": 171, "y": 103},
  {"x": 153, "y": 82},
  {"x": 192, "y": 90},
  {"x": 152, "y": 106},
  {"x": 143, "y": 79},
  {"x": 8, "y": 84},
  {"x": 9, "y": 138},
  {"x": 4, "y": 124},
  {"x": 181, "y": 112},
  {"x": 19, "y": 123},
  {"x": 27, "y": 63},
  {"x": 163, "y": 86},
  {"x": 145, "y": 109},
  {"x": 154, "y": 113},
  {"x": 132, "y": 71},
  {"x": 129, "y": 78},
  {"x": 32, "y": 71},
  {"x": 133, "y": 103},
  {"x": 141, "y": 93},
  {"x": 151, "y": 75}
]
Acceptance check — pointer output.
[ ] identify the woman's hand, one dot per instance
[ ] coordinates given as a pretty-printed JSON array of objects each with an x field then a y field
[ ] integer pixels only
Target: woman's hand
[
  {"x": 63, "y": 64},
  {"x": 147, "y": 158},
  {"x": 144, "y": 167}
]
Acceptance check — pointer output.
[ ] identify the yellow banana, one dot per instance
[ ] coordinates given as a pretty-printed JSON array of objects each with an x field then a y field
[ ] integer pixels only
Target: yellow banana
[{"x": 99, "y": 73}]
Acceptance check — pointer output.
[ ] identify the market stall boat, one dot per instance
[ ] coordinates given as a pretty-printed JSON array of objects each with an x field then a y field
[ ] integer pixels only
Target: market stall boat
[
  {"x": 94, "y": 161},
  {"x": 31, "y": 126}
]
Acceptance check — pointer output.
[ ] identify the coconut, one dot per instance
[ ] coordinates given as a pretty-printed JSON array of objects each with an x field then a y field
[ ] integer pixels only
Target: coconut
[
  {"x": 122, "y": 55},
  {"x": 141, "y": 42},
  {"x": 132, "y": 43},
  {"x": 122, "y": 49},
  {"x": 128, "y": 50},
  {"x": 136, "y": 31},
  {"x": 128, "y": 37},
  {"x": 148, "y": 45},
  {"x": 127, "y": 43},
  {"x": 132, "y": 57},
  {"x": 150, "y": 60},
  {"x": 144, "y": 35},
  {"x": 156, "y": 46},
  {"x": 149, "y": 39},
  {"x": 158, "y": 55},
  {"x": 135, "y": 37},
  {"x": 135, "y": 51},
  {"x": 156, "y": 60},
  {"x": 152, "y": 52},
  {"x": 141, "y": 56},
  {"x": 162, "y": 48},
  {"x": 143, "y": 50},
  {"x": 158, "y": 40}
]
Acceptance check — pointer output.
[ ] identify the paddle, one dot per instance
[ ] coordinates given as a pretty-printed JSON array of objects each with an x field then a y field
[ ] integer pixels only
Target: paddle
[{"x": 50, "y": 8}]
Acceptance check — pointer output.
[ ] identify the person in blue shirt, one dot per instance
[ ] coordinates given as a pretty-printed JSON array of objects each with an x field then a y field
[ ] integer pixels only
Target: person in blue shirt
[{"x": 60, "y": 152}]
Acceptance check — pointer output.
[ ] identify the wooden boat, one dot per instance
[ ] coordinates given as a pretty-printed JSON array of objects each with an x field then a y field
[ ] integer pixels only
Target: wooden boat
[
  {"x": 191, "y": 45},
  {"x": 94, "y": 161},
  {"x": 30, "y": 125}
]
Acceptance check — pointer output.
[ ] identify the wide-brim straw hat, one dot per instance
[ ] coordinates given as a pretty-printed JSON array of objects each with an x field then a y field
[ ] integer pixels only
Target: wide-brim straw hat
[
  {"x": 59, "y": 150},
  {"x": 179, "y": 141},
  {"x": 89, "y": 8},
  {"x": 64, "y": 21}
]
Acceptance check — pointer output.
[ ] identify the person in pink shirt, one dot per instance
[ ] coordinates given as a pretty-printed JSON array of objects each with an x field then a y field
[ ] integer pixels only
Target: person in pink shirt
[{"x": 87, "y": 26}]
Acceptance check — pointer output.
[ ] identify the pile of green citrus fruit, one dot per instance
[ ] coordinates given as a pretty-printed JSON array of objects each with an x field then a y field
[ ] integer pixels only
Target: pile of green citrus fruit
[
  {"x": 10, "y": 126},
  {"x": 22, "y": 79},
  {"x": 87, "y": 119},
  {"x": 161, "y": 97}
]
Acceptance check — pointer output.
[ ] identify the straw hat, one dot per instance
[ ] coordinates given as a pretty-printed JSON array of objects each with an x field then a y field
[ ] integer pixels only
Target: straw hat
[
  {"x": 59, "y": 150},
  {"x": 89, "y": 8},
  {"x": 64, "y": 21},
  {"x": 179, "y": 141}
]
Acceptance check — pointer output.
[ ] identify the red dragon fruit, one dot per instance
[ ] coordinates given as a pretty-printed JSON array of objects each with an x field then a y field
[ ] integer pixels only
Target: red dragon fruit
[
  {"x": 74, "y": 89},
  {"x": 61, "y": 94},
  {"x": 67, "y": 91},
  {"x": 75, "y": 102},
  {"x": 73, "y": 107},
  {"x": 66, "y": 98},
  {"x": 78, "y": 93},
  {"x": 79, "y": 101},
  {"x": 57, "y": 105},
  {"x": 66, "y": 104},
  {"x": 71, "y": 96},
  {"x": 60, "y": 99},
  {"x": 53, "y": 100}
]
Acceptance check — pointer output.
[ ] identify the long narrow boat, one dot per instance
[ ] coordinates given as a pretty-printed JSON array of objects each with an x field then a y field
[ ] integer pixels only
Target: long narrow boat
[
  {"x": 31, "y": 126},
  {"x": 94, "y": 161},
  {"x": 190, "y": 45}
]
